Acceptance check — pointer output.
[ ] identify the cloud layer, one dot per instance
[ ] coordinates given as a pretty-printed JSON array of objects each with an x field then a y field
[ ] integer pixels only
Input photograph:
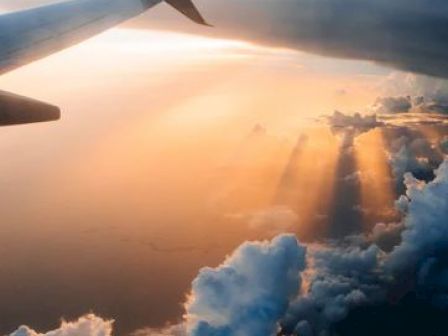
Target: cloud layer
[
  {"x": 340, "y": 276},
  {"x": 89, "y": 325},
  {"x": 249, "y": 292},
  {"x": 407, "y": 92},
  {"x": 348, "y": 276},
  {"x": 264, "y": 288}
]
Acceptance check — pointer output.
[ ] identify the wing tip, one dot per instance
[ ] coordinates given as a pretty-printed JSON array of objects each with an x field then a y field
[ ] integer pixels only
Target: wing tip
[
  {"x": 17, "y": 110},
  {"x": 188, "y": 8}
]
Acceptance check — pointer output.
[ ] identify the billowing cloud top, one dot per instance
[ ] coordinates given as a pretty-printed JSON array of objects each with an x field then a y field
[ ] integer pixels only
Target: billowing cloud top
[
  {"x": 89, "y": 325},
  {"x": 250, "y": 292},
  {"x": 308, "y": 290}
]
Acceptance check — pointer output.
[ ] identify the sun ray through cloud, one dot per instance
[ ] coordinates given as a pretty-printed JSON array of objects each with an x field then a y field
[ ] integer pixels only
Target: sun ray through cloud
[{"x": 377, "y": 191}]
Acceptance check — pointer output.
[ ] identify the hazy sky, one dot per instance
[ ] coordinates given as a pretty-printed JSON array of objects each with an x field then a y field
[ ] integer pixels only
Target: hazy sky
[
  {"x": 110, "y": 183},
  {"x": 175, "y": 149}
]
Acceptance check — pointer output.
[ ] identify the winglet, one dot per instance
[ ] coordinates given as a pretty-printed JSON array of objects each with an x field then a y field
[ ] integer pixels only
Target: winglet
[{"x": 188, "y": 8}]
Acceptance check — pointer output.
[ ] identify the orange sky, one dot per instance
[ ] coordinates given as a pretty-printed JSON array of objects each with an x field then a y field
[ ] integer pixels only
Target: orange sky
[
  {"x": 156, "y": 146},
  {"x": 144, "y": 112},
  {"x": 142, "y": 103}
]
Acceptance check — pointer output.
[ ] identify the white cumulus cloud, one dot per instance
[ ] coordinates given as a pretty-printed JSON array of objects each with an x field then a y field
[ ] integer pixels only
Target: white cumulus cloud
[
  {"x": 89, "y": 325},
  {"x": 250, "y": 292}
]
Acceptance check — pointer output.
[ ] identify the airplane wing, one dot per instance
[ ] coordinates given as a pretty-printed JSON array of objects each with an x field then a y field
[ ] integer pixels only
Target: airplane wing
[
  {"x": 15, "y": 109},
  {"x": 28, "y": 35}
]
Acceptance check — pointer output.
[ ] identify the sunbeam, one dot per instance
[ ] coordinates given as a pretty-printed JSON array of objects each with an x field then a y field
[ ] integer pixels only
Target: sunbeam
[{"x": 376, "y": 180}]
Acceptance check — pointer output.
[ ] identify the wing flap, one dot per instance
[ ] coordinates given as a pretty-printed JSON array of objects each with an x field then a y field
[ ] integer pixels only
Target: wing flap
[{"x": 188, "y": 8}]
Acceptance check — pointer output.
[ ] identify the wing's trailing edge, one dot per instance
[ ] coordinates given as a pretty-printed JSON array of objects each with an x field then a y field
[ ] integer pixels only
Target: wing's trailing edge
[{"x": 32, "y": 34}]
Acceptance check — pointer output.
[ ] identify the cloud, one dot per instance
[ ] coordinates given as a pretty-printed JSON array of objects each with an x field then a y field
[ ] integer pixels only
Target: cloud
[
  {"x": 405, "y": 160},
  {"x": 443, "y": 144},
  {"x": 417, "y": 104},
  {"x": 89, "y": 325},
  {"x": 92, "y": 325},
  {"x": 355, "y": 121},
  {"x": 310, "y": 289},
  {"x": 342, "y": 278},
  {"x": 247, "y": 295},
  {"x": 432, "y": 89},
  {"x": 386, "y": 236},
  {"x": 350, "y": 126},
  {"x": 275, "y": 219},
  {"x": 401, "y": 104},
  {"x": 410, "y": 153},
  {"x": 171, "y": 330},
  {"x": 425, "y": 237},
  {"x": 249, "y": 292},
  {"x": 407, "y": 92}
]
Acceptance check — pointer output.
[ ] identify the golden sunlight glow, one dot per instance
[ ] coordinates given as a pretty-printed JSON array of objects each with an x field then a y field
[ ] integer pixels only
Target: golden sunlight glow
[
  {"x": 313, "y": 189},
  {"x": 377, "y": 189},
  {"x": 173, "y": 150},
  {"x": 204, "y": 126},
  {"x": 178, "y": 45}
]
